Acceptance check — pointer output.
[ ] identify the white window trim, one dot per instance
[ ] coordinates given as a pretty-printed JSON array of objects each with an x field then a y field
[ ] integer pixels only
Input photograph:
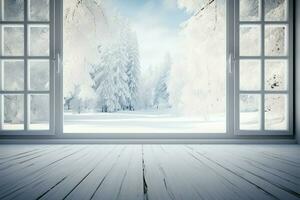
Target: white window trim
[{"x": 56, "y": 88}]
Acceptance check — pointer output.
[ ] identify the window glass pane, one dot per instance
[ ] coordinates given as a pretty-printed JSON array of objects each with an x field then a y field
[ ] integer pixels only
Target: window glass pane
[
  {"x": 13, "y": 40},
  {"x": 276, "y": 73},
  {"x": 39, "y": 112},
  {"x": 250, "y": 40},
  {"x": 38, "y": 40},
  {"x": 250, "y": 112},
  {"x": 13, "y": 75},
  {"x": 13, "y": 10},
  {"x": 39, "y": 75},
  {"x": 127, "y": 71},
  {"x": 250, "y": 74},
  {"x": 13, "y": 112},
  {"x": 276, "y": 10},
  {"x": 276, "y": 40},
  {"x": 250, "y": 10},
  {"x": 276, "y": 112},
  {"x": 38, "y": 10}
]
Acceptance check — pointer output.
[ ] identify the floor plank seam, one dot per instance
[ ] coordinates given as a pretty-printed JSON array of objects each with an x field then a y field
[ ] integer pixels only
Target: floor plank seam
[{"x": 145, "y": 186}]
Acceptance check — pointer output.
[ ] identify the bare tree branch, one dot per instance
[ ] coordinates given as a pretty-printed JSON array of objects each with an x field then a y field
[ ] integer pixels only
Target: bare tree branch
[{"x": 204, "y": 7}]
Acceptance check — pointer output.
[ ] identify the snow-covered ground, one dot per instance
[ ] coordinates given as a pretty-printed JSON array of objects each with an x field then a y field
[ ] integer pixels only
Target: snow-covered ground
[
  {"x": 155, "y": 121},
  {"x": 140, "y": 122}
]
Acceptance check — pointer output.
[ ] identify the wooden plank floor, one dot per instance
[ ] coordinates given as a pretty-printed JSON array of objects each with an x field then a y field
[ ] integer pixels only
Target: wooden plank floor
[{"x": 155, "y": 172}]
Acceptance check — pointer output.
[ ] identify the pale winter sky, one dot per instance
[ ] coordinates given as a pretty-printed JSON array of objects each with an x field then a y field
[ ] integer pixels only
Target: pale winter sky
[{"x": 156, "y": 23}]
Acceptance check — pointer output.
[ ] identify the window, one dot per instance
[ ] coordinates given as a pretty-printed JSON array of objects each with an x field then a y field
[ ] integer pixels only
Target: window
[
  {"x": 149, "y": 69},
  {"x": 264, "y": 67},
  {"x": 26, "y": 67}
]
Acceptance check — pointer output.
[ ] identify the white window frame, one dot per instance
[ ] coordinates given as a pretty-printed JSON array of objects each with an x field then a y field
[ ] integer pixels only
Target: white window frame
[
  {"x": 232, "y": 108},
  {"x": 26, "y": 23},
  {"x": 290, "y": 90}
]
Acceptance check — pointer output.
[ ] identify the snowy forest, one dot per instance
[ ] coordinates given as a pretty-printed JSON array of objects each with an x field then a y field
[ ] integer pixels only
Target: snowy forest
[{"x": 111, "y": 76}]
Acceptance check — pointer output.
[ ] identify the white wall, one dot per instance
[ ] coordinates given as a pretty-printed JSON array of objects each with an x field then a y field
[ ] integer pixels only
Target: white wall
[{"x": 297, "y": 71}]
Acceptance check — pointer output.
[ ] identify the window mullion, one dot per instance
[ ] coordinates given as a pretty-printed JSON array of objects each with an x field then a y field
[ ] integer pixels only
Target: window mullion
[
  {"x": 236, "y": 44},
  {"x": 1, "y": 72},
  {"x": 26, "y": 101},
  {"x": 230, "y": 54},
  {"x": 59, "y": 108},
  {"x": 51, "y": 63},
  {"x": 262, "y": 65},
  {"x": 290, "y": 16}
]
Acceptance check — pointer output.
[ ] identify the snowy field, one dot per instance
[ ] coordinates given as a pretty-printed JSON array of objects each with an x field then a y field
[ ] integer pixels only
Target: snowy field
[
  {"x": 140, "y": 122},
  {"x": 159, "y": 122}
]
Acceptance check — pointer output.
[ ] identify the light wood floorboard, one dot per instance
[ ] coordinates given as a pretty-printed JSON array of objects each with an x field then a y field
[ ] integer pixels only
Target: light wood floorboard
[{"x": 165, "y": 172}]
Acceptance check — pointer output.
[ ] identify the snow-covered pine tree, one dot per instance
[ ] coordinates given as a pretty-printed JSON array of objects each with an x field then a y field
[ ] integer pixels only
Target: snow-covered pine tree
[
  {"x": 161, "y": 93},
  {"x": 147, "y": 87},
  {"x": 76, "y": 104},
  {"x": 104, "y": 78},
  {"x": 133, "y": 70},
  {"x": 115, "y": 77},
  {"x": 120, "y": 61}
]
